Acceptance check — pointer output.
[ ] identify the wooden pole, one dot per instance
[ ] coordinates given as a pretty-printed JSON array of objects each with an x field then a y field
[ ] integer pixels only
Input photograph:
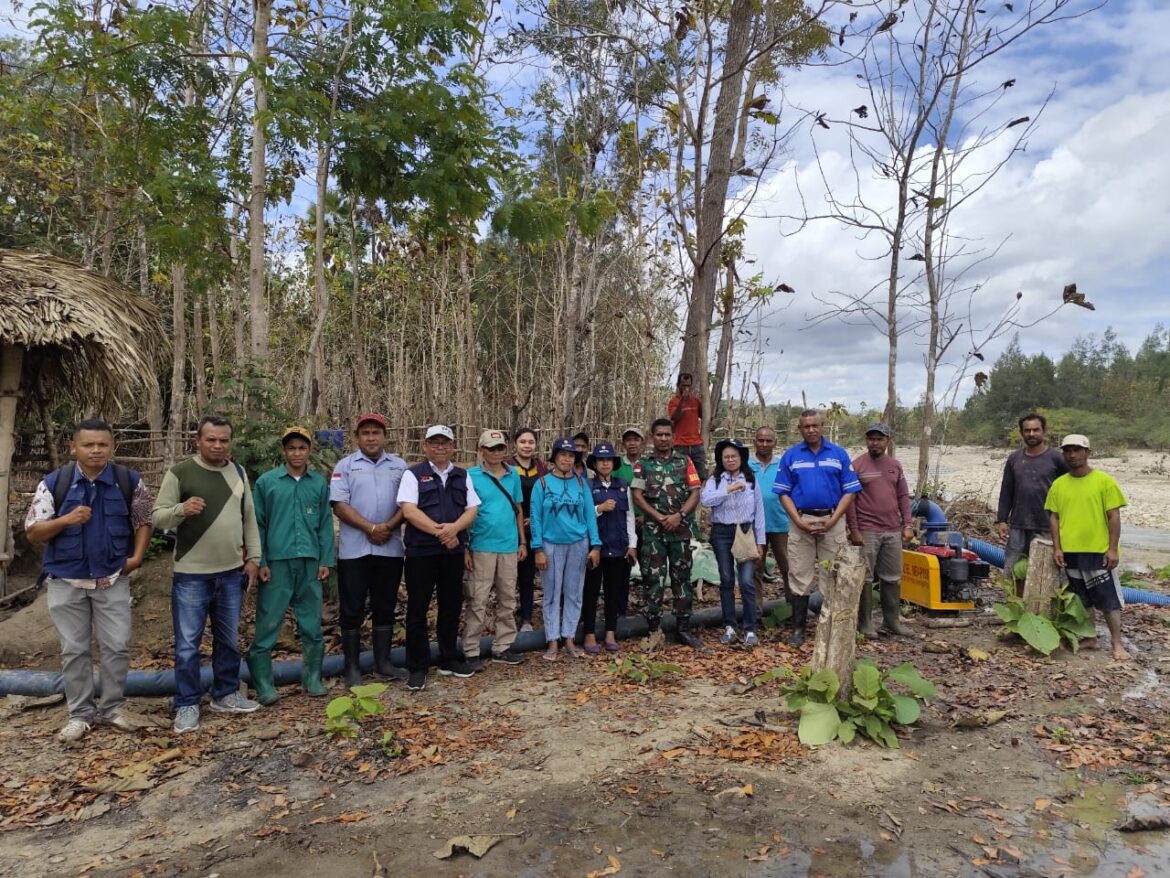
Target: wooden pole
[
  {"x": 836, "y": 642},
  {"x": 1043, "y": 578},
  {"x": 11, "y": 360}
]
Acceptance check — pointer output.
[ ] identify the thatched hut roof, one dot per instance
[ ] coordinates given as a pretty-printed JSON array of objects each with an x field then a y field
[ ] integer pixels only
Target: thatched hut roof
[{"x": 84, "y": 334}]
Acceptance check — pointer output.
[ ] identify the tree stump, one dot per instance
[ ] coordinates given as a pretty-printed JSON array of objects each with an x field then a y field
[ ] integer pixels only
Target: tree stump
[
  {"x": 1043, "y": 578},
  {"x": 836, "y": 643}
]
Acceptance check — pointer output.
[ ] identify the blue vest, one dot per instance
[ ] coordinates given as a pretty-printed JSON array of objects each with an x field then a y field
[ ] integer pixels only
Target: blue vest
[
  {"x": 442, "y": 504},
  {"x": 99, "y": 547},
  {"x": 611, "y": 526}
]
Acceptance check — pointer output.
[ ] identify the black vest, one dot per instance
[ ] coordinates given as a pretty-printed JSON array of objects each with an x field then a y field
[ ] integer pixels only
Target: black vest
[{"x": 442, "y": 504}]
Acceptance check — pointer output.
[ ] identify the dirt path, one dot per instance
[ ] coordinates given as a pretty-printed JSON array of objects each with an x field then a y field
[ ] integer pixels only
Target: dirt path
[{"x": 580, "y": 771}]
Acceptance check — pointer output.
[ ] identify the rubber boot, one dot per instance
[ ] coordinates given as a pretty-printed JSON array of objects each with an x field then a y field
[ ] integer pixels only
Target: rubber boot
[
  {"x": 260, "y": 665},
  {"x": 382, "y": 664},
  {"x": 682, "y": 621},
  {"x": 311, "y": 660},
  {"x": 891, "y": 595},
  {"x": 799, "y": 619},
  {"x": 865, "y": 613},
  {"x": 351, "y": 646}
]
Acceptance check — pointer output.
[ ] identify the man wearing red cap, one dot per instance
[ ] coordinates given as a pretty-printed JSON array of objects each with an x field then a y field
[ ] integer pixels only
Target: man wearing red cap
[{"x": 364, "y": 494}]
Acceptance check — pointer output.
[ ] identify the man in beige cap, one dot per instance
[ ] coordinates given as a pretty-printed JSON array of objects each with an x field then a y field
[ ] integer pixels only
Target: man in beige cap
[
  {"x": 495, "y": 548},
  {"x": 1084, "y": 507}
]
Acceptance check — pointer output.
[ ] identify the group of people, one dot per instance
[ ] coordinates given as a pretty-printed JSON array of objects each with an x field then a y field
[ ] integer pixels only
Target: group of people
[{"x": 463, "y": 536}]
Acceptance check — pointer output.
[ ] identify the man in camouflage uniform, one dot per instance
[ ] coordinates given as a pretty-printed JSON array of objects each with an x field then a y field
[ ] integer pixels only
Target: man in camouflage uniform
[{"x": 666, "y": 488}]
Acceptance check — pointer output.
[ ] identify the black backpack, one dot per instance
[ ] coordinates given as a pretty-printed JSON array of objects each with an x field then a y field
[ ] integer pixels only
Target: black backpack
[{"x": 67, "y": 473}]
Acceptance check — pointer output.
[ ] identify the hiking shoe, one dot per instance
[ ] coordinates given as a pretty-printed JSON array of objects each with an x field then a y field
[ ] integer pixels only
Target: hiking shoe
[
  {"x": 417, "y": 681},
  {"x": 234, "y": 702},
  {"x": 508, "y": 657},
  {"x": 73, "y": 731},
  {"x": 750, "y": 639},
  {"x": 187, "y": 718},
  {"x": 728, "y": 636},
  {"x": 457, "y": 669},
  {"x": 475, "y": 663}
]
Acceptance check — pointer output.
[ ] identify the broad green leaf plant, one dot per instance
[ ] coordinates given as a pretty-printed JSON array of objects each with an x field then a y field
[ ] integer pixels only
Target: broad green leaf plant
[{"x": 873, "y": 710}]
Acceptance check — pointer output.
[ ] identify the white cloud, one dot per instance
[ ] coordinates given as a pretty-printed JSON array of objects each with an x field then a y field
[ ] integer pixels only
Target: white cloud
[{"x": 1085, "y": 202}]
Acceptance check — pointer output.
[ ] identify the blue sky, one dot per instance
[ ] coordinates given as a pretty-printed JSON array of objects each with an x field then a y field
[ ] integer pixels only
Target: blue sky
[{"x": 1088, "y": 201}]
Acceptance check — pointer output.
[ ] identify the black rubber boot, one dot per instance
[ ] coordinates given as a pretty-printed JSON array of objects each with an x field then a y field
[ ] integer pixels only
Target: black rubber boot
[
  {"x": 351, "y": 646},
  {"x": 682, "y": 621},
  {"x": 382, "y": 664},
  {"x": 891, "y": 596},
  {"x": 799, "y": 619},
  {"x": 865, "y": 613}
]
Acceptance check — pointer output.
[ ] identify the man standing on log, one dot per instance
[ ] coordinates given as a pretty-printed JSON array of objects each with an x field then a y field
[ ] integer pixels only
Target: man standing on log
[
  {"x": 816, "y": 484},
  {"x": 95, "y": 517},
  {"x": 1085, "y": 519},
  {"x": 364, "y": 496},
  {"x": 879, "y": 521},
  {"x": 686, "y": 415},
  {"x": 1027, "y": 476},
  {"x": 207, "y": 500},
  {"x": 666, "y": 489}
]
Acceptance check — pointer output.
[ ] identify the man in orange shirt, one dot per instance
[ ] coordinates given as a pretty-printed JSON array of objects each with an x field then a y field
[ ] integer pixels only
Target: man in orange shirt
[{"x": 686, "y": 413}]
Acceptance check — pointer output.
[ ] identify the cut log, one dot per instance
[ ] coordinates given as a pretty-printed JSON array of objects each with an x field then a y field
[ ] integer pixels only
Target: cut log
[
  {"x": 836, "y": 643},
  {"x": 1043, "y": 578}
]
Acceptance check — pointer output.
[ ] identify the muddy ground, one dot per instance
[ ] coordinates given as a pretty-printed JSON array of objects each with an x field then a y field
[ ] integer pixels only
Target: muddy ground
[{"x": 580, "y": 772}]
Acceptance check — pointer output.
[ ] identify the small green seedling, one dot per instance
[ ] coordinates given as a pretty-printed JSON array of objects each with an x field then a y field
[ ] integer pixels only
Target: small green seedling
[
  {"x": 344, "y": 713},
  {"x": 641, "y": 669}
]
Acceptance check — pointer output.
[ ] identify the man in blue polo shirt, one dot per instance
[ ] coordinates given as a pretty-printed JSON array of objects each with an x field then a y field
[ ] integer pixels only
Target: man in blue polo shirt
[
  {"x": 364, "y": 495},
  {"x": 765, "y": 464},
  {"x": 816, "y": 484}
]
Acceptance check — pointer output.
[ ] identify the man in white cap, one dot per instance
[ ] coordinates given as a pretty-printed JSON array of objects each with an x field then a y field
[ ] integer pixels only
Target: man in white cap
[
  {"x": 439, "y": 503},
  {"x": 1084, "y": 507},
  {"x": 496, "y": 547}
]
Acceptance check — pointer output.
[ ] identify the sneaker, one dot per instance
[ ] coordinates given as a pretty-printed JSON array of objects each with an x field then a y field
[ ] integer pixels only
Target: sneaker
[
  {"x": 750, "y": 639},
  {"x": 417, "y": 681},
  {"x": 234, "y": 702},
  {"x": 457, "y": 669},
  {"x": 475, "y": 663},
  {"x": 74, "y": 731},
  {"x": 527, "y": 626},
  {"x": 187, "y": 718},
  {"x": 728, "y": 635},
  {"x": 508, "y": 657}
]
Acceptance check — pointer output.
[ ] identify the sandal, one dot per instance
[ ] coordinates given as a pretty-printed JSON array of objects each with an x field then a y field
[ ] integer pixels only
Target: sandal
[
  {"x": 551, "y": 655},
  {"x": 575, "y": 651},
  {"x": 592, "y": 649},
  {"x": 612, "y": 647}
]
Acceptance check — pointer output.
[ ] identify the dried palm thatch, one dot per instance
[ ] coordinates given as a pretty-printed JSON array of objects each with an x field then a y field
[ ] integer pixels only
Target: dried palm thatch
[{"x": 84, "y": 335}]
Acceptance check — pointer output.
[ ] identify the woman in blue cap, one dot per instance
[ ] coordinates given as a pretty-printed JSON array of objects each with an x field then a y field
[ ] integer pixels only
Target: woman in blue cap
[
  {"x": 736, "y": 504},
  {"x": 619, "y": 541},
  {"x": 564, "y": 537}
]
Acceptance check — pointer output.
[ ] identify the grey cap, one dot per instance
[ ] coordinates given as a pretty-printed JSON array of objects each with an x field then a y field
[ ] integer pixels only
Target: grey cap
[{"x": 879, "y": 427}]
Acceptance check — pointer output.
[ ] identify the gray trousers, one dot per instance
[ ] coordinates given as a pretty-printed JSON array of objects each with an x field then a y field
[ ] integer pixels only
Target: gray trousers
[{"x": 81, "y": 616}]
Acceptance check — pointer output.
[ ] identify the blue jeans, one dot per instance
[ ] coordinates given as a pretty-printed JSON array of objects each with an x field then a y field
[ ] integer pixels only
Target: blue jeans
[
  {"x": 563, "y": 579},
  {"x": 722, "y": 536},
  {"x": 193, "y": 597}
]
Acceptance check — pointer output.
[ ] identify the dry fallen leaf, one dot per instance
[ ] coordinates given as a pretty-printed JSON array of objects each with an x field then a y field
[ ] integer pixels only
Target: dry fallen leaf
[
  {"x": 613, "y": 868},
  {"x": 977, "y": 655},
  {"x": 511, "y": 813},
  {"x": 476, "y": 845},
  {"x": 1042, "y": 804}
]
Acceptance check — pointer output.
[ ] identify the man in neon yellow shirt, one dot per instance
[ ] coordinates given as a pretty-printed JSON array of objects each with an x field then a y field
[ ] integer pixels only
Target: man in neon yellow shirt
[{"x": 1084, "y": 507}]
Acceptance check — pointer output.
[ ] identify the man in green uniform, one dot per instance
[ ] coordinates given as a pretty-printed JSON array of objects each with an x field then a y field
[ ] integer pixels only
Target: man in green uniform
[
  {"x": 296, "y": 549},
  {"x": 666, "y": 488}
]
